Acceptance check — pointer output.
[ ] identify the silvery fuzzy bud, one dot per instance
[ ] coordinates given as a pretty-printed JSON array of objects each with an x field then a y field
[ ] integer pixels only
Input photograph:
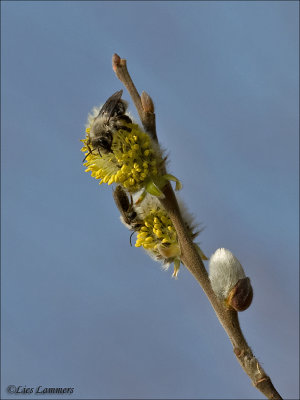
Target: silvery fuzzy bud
[{"x": 229, "y": 281}]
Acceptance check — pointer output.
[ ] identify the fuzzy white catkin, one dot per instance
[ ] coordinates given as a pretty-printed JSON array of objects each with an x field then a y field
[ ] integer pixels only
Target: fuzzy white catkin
[{"x": 224, "y": 272}]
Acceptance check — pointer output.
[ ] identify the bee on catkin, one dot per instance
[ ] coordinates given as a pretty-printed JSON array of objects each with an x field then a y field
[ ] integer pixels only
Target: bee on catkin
[
  {"x": 154, "y": 229},
  {"x": 117, "y": 150},
  {"x": 109, "y": 120}
]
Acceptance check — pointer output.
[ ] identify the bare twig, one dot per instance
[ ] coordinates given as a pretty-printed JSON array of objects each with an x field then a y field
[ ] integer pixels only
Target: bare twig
[
  {"x": 189, "y": 255},
  {"x": 144, "y": 106}
]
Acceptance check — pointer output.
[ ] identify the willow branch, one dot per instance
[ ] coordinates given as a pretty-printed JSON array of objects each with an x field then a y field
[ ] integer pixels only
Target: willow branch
[
  {"x": 189, "y": 254},
  {"x": 143, "y": 104}
]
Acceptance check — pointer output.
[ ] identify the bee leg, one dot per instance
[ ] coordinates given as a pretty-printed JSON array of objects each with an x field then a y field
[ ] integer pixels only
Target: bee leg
[
  {"x": 131, "y": 202},
  {"x": 99, "y": 151},
  {"x": 141, "y": 198}
]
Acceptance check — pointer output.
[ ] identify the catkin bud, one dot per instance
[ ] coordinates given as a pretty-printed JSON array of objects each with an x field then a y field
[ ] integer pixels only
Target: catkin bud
[{"x": 229, "y": 281}]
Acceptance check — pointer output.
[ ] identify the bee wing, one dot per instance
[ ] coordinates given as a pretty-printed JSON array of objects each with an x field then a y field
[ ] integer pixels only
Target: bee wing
[
  {"x": 110, "y": 104},
  {"x": 128, "y": 214},
  {"x": 121, "y": 200}
]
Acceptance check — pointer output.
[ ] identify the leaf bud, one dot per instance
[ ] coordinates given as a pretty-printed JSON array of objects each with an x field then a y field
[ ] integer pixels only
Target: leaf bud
[
  {"x": 147, "y": 103},
  {"x": 115, "y": 61}
]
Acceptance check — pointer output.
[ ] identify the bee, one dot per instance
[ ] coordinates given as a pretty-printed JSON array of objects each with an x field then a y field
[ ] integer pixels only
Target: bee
[
  {"x": 129, "y": 216},
  {"x": 111, "y": 118}
]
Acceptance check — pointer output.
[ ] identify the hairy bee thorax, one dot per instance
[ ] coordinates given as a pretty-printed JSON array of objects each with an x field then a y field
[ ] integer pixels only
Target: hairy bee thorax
[{"x": 120, "y": 108}]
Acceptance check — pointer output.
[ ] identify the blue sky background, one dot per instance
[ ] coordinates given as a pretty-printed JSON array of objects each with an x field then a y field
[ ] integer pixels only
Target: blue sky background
[{"x": 80, "y": 307}]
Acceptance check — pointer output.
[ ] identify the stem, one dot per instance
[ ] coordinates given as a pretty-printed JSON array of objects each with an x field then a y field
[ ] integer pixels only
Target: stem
[{"x": 191, "y": 259}]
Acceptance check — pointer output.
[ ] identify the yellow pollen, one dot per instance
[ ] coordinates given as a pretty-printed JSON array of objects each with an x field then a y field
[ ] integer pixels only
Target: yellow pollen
[
  {"x": 164, "y": 219},
  {"x": 143, "y": 234}
]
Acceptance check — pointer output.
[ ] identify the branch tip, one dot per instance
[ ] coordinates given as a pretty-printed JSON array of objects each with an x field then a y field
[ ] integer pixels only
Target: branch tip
[{"x": 116, "y": 60}]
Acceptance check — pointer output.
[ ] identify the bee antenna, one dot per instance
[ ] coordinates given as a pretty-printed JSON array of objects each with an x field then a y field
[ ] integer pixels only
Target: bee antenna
[
  {"x": 91, "y": 152},
  {"x": 85, "y": 157},
  {"x": 130, "y": 238}
]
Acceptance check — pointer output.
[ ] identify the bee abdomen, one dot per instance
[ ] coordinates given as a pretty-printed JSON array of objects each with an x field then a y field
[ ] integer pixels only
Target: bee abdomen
[
  {"x": 126, "y": 118},
  {"x": 120, "y": 123},
  {"x": 125, "y": 128}
]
